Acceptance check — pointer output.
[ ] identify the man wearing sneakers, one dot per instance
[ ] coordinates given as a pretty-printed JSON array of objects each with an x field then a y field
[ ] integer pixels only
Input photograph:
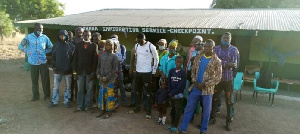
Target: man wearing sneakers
[
  {"x": 62, "y": 67},
  {"x": 146, "y": 64}
]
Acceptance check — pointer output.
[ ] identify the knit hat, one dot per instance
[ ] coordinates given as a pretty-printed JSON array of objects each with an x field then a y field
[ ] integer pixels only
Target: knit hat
[{"x": 199, "y": 37}]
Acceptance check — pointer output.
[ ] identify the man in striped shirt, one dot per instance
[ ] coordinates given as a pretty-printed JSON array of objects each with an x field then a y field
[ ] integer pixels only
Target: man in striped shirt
[{"x": 228, "y": 54}]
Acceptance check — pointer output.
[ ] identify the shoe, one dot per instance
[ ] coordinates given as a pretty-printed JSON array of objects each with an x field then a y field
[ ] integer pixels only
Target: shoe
[
  {"x": 133, "y": 111},
  {"x": 182, "y": 132},
  {"x": 158, "y": 122},
  {"x": 77, "y": 110},
  {"x": 34, "y": 99},
  {"x": 52, "y": 105},
  {"x": 131, "y": 105},
  {"x": 46, "y": 98},
  {"x": 218, "y": 111},
  {"x": 174, "y": 130},
  {"x": 203, "y": 132},
  {"x": 212, "y": 121},
  {"x": 148, "y": 117},
  {"x": 68, "y": 105},
  {"x": 228, "y": 126}
]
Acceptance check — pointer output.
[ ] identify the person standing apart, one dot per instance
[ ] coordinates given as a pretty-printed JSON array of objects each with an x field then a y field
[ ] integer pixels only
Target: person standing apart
[
  {"x": 36, "y": 45},
  {"x": 229, "y": 57}
]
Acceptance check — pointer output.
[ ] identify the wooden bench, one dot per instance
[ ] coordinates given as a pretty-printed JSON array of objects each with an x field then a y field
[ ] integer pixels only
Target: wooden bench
[{"x": 249, "y": 72}]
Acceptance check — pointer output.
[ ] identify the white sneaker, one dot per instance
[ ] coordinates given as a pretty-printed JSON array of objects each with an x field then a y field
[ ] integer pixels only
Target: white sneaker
[{"x": 148, "y": 117}]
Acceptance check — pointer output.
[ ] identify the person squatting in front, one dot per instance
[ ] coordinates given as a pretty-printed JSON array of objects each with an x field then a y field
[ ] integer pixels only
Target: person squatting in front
[{"x": 206, "y": 73}]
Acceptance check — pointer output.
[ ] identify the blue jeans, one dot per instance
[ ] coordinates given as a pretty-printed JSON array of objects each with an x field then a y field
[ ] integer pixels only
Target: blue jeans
[
  {"x": 55, "y": 94},
  {"x": 193, "y": 100},
  {"x": 121, "y": 87},
  {"x": 84, "y": 101},
  {"x": 133, "y": 89}
]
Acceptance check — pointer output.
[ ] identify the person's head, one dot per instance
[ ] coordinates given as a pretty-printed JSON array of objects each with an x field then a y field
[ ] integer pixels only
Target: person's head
[
  {"x": 163, "y": 84},
  {"x": 178, "y": 61},
  {"x": 197, "y": 39},
  {"x": 209, "y": 47},
  {"x": 199, "y": 46},
  {"x": 79, "y": 32},
  {"x": 162, "y": 44},
  {"x": 96, "y": 37},
  {"x": 226, "y": 39},
  {"x": 114, "y": 36},
  {"x": 63, "y": 36},
  {"x": 109, "y": 45},
  {"x": 102, "y": 44},
  {"x": 70, "y": 34},
  {"x": 38, "y": 29},
  {"x": 141, "y": 38},
  {"x": 172, "y": 47},
  {"x": 87, "y": 36}
]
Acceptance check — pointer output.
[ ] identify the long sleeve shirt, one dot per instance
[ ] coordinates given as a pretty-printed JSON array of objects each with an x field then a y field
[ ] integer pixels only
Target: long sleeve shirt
[
  {"x": 167, "y": 64},
  {"x": 144, "y": 55},
  {"x": 227, "y": 55},
  {"x": 85, "y": 58},
  {"x": 176, "y": 81},
  {"x": 107, "y": 67},
  {"x": 36, "y": 48}
]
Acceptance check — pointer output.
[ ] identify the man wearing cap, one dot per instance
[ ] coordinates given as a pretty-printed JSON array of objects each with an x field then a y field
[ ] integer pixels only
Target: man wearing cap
[
  {"x": 121, "y": 53},
  {"x": 145, "y": 52}
]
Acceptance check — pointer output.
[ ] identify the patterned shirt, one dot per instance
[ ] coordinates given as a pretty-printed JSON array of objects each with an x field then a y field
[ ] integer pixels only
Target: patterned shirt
[
  {"x": 36, "y": 48},
  {"x": 227, "y": 55},
  {"x": 211, "y": 76}
]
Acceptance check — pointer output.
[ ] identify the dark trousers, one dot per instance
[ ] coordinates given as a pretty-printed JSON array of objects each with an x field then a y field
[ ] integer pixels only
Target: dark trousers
[
  {"x": 162, "y": 109},
  {"x": 35, "y": 70},
  {"x": 227, "y": 86},
  {"x": 74, "y": 89},
  {"x": 176, "y": 111},
  {"x": 133, "y": 89},
  {"x": 143, "y": 81}
]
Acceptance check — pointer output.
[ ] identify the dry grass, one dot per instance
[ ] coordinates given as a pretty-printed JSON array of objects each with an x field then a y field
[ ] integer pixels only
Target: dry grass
[{"x": 9, "y": 48}]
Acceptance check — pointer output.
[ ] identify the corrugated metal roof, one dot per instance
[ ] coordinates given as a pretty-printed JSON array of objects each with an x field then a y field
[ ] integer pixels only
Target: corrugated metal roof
[{"x": 247, "y": 19}]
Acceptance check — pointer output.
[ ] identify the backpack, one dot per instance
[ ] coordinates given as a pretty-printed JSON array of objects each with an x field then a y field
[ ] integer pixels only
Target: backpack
[{"x": 265, "y": 79}]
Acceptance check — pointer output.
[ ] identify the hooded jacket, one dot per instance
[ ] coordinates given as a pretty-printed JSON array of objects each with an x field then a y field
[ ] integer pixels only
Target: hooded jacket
[{"x": 62, "y": 55}]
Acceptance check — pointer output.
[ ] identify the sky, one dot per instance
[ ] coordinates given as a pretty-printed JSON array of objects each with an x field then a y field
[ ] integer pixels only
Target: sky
[{"x": 80, "y": 6}]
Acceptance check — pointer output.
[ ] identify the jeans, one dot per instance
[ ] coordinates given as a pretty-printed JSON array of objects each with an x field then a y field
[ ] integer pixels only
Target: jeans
[
  {"x": 84, "y": 101},
  {"x": 143, "y": 81},
  {"x": 133, "y": 89},
  {"x": 55, "y": 94},
  {"x": 193, "y": 100},
  {"x": 122, "y": 87},
  {"x": 227, "y": 86},
  {"x": 35, "y": 70}
]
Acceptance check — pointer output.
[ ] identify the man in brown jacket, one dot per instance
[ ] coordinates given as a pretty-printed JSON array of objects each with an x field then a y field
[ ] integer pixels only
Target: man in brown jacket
[{"x": 206, "y": 73}]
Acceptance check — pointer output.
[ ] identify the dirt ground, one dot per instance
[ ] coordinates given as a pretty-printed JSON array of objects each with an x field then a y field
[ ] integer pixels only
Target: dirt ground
[{"x": 18, "y": 115}]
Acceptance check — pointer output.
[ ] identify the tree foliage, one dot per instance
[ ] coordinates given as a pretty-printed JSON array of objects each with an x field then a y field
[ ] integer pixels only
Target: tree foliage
[
  {"x": 6, "y": 26},
  {"x": 32, "y": 9},
  {"x": 257, "y": 3}
]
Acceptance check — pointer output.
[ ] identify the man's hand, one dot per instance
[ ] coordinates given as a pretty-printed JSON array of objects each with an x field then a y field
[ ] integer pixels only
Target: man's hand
[
  {"x": 199, "y": 86},
  {"x": 92, "y": 77},
  {"x": 104, "y": 79},
  {"x": 75, "y": 76},
  {"x": 231, "y": 65}
]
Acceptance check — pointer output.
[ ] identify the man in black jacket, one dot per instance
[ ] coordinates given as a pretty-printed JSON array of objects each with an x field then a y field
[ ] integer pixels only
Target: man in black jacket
[
  {"x": 62, "y": 66},
  {"x": 85, "y": 65}
]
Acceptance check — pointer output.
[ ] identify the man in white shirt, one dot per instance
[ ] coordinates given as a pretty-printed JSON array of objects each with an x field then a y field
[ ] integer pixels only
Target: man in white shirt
[{"x": 146, "y": 64}]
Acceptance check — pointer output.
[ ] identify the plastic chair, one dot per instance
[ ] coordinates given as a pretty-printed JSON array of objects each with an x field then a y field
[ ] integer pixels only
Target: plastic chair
[
  {"x": 272, "y": 91},
  {"x": 238, "y": 83}
]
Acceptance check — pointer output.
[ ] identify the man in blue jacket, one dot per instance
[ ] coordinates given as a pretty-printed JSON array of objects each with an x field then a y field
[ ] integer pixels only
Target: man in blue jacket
[
  {"x": 62, "y": 66},
  {"x": 36, "y": 45}
]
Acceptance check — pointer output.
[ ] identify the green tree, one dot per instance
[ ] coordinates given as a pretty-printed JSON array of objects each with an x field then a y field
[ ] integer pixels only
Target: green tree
[
  {"x": 32, "y": 9},
  {"x": 6, "y": 26},
  {"x": 257, "y": 3}
]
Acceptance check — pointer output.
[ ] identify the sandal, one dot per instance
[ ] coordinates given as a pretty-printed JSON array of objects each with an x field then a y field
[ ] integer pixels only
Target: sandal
[
  {"x": 100, "y": 115},
  {"x": 106, "y": 116}
]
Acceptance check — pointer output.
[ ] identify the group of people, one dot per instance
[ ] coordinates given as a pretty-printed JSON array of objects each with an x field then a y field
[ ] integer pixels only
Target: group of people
[{"x": 92, "y": 68}]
